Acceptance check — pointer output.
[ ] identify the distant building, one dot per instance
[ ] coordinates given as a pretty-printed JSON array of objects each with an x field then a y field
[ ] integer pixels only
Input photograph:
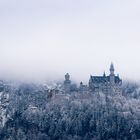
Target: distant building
[
  {"x": 83, "y": 88},
  {"x": 67, "y": 83},
  {"x": 68, "y": 86},
  {"x": 106, "y": 84}
]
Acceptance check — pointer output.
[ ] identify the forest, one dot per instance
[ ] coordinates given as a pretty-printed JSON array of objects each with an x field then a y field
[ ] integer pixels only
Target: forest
[{"x": 27, "y": 112}]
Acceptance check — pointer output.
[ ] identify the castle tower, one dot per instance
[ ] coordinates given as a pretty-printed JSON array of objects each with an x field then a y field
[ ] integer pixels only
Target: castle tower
[
  {"x": 67, "y": 83},
  {"x": 112, "y": 69},
  {"x": 67, "y": 77},
  {"x": 112, "y": 75},
  {"x": 104, "y": 75}
]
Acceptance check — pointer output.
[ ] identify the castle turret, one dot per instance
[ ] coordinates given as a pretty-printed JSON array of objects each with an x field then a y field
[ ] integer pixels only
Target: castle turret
[
  {"x": 104, "y": 75},
  {"x": 112, "y": 75},
  {"x": 83, "y": 88},
  {"x": 112, "y": 69}
]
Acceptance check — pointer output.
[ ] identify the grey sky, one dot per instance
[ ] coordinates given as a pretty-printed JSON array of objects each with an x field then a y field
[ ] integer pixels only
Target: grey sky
[{"x": 46, "y": 38}]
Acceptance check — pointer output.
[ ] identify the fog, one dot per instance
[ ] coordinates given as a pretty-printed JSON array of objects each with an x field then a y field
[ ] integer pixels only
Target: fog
[{"x": 43, "y": 40}]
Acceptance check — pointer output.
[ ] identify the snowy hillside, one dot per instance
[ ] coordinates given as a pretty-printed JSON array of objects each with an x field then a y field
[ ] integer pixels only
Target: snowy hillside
[{"x": 42, "y": 112}]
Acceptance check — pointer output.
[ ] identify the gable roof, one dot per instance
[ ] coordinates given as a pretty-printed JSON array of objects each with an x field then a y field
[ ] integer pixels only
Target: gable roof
[{"x": 104, "y": 79}]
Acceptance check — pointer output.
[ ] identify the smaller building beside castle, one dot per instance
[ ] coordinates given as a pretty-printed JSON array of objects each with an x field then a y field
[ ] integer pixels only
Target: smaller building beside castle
[
  {"x": 106, "y": 84},
  {"x": 83, "y": 88}
]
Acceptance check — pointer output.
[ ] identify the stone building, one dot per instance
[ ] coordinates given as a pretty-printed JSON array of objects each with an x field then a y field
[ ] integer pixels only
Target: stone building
[
  {"x": 106, "y": 84},
  {"x": 69, "y": 86},
  {"x": 67, "y": 83},
  {"x": 83, "y": 88}
]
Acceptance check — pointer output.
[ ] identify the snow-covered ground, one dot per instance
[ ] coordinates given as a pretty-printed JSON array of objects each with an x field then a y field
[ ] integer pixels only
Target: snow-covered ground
[{"x": 4, "y": 102}]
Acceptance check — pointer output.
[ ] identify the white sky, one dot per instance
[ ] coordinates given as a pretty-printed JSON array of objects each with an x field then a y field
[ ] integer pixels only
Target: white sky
[{"x": 46, "y": 38}]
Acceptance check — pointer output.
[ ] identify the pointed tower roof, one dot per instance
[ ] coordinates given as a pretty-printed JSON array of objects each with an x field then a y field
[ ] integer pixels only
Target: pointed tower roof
[
  {"x": 112, "y": 69},
  {"x": 112, "y": 66},
  {"x": 104, "y": 75}
]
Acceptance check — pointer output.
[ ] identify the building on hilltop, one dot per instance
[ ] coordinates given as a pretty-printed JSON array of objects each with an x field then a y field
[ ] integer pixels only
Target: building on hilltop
[
  {"x": 106, "y": 84},
  {"x": 68, "y": 86},
  {"x": 67, "y": 83}
]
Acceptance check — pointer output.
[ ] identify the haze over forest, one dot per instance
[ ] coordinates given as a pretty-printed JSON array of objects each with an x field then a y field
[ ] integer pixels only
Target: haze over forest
[
  {"x": 47, "y": 47},
  {"x": 46, "y": 39}
]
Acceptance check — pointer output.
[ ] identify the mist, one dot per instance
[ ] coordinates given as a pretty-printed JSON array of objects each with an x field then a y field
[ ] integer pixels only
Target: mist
[{"x": 43, "y": 40}]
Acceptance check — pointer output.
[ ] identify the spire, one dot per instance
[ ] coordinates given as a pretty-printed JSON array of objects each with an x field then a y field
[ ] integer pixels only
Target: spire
[
  {"x": 112, "y": 69},
  {"x": 104, "y": 75}
]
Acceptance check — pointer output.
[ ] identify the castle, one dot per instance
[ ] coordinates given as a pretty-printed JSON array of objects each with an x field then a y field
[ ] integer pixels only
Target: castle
[{"x": 106, "y": 84}]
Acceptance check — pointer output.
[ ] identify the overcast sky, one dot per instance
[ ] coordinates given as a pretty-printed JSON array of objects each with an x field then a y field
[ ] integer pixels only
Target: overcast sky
[{"x": 44, "y": 39}]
